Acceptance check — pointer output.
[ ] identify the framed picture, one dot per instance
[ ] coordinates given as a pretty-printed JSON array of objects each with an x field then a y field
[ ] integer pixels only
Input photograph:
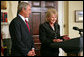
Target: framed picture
[
  {"x": 3, "y": 4},
  {"x": 79, "y": 16}
]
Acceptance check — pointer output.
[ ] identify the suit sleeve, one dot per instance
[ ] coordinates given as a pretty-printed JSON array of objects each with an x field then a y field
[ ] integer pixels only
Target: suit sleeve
[
  {"x": 58, "y": 27},
  {"x": 32, "y": 43},
  {"x": 42, "y": 36},
  {"x": 16, "y": 35}
]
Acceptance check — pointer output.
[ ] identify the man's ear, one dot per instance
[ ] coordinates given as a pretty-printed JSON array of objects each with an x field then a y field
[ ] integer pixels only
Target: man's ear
[{"x": 23, "y": 9}]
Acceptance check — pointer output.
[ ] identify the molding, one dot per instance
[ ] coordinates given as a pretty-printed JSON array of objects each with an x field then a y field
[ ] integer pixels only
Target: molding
[{"x": 61, "y": 22}]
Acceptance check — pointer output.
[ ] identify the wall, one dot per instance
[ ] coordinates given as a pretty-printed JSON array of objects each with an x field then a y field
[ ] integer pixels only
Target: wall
[
  {"x": 69, "y": 18},
  {"x": 11, "y": 9},
  {"x": 12, "y": 12},
  {"x": 66, "y": 18},
  {"x": 74, "y": 5}
]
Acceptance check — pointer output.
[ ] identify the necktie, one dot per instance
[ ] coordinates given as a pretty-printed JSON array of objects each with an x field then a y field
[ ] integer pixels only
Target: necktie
[{"x": 27, "y": 25}]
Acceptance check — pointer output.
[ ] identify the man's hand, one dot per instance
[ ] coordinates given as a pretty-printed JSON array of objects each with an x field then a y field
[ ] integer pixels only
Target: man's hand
[
  {"x": 57, "y": 40},
  {"x": 31, "y": 53}
]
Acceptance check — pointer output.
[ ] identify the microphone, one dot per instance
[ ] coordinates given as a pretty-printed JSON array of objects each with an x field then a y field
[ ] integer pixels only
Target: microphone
[{"x": 76, "y": 28}]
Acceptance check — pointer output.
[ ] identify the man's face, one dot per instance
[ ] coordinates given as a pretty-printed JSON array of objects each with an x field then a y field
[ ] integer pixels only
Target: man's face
[{"x": 27, "y": 11}]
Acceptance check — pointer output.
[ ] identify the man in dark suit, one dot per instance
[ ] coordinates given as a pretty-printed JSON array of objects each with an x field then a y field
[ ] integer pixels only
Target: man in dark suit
[{"x": 22, "y": 41}]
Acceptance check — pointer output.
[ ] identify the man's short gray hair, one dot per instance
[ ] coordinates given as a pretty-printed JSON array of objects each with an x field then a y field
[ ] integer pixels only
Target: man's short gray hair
[{"x": 22, "y": 5}]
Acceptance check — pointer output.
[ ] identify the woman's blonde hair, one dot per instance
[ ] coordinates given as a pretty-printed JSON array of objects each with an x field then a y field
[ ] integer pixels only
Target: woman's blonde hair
[{"x": 50, "y": 12}]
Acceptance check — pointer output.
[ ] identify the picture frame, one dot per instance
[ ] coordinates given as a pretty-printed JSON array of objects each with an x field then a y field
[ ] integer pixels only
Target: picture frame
[
  {"x": 79, "y": 16},
  {"x": 4, "y": 5}
]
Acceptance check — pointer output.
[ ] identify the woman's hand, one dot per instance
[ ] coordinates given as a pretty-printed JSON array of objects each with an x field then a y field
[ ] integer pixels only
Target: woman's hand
[
  {"x": 65, "y": 37},
  {"x": 57, "y": 40}
]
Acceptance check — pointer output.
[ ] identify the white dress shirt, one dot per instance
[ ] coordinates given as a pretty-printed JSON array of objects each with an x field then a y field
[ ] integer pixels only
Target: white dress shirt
[{"x": 23, "y": 18}]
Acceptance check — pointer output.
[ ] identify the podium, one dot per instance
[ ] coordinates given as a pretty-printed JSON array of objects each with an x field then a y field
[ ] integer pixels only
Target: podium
[{"x": 72, "y": 46}]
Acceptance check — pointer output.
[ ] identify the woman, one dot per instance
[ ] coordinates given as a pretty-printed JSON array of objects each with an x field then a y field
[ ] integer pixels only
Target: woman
[{"x": 49, "y": 32}]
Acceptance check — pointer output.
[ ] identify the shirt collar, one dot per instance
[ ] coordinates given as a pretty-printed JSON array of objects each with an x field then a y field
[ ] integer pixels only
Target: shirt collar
[{"x": 23, "y": 18}]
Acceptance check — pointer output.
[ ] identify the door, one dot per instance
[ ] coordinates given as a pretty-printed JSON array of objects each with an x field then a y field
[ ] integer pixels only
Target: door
[{"x": 37, "y": 17}]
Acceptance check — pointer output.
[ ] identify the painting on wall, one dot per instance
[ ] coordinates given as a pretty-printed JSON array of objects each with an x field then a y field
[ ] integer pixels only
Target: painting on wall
[
  {"x": 3, "y": 4},
  {"x": 79, "y": 16}
]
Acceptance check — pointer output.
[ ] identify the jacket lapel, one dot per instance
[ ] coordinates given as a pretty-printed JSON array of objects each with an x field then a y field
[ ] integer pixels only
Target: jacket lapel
[
  {"x": 23, "y": 24},
  {"x": 49, "y": 26},
  {"x": 56, "y": 27}
]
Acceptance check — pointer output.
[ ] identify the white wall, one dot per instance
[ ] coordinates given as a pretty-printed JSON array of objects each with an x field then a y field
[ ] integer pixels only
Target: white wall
[
  {"x": 12, "y": 10},
  {"x": 72, "y": 6}
]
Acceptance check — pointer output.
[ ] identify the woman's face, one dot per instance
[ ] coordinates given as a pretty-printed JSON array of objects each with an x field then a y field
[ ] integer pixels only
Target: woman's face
[{"x": 53, "y": 19}]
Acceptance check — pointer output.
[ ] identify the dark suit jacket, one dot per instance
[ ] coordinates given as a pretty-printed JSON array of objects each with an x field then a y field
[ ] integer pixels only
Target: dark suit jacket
[
  {"x": 46, "y": 36},
  {"x": 22, "y": 41}
]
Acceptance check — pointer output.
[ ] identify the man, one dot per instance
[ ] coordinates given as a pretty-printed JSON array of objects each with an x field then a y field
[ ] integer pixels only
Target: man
[{"x": 22, "y": 41}]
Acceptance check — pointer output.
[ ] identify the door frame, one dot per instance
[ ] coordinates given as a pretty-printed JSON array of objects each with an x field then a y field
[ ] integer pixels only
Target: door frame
[
  {"x": 61, "y": 23},
  {"x": 61, "y": 16}
]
